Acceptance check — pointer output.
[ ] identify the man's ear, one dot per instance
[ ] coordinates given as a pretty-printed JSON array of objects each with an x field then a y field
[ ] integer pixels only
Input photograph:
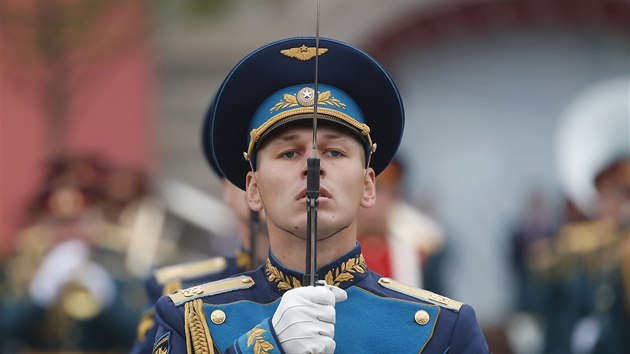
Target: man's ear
[
  {"x": 253, "y": 195},
  {"x": 369, "y": 189}
]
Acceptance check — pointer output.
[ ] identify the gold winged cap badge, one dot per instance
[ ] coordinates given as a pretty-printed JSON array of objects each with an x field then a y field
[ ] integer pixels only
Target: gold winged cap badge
[{"x": 303, "y": 53}]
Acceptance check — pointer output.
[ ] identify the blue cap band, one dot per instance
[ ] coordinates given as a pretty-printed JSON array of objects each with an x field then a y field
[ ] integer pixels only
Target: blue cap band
[{"x": 298, "y": 102}]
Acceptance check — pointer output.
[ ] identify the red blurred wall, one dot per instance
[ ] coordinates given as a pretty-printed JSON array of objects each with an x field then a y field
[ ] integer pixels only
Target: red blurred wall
[{"x": 109, "y": 110}]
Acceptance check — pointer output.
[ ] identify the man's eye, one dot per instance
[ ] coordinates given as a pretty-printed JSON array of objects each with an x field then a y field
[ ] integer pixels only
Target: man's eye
[
  {"x": 288, "y": 154},
  {"x": 335, "y": 153}
]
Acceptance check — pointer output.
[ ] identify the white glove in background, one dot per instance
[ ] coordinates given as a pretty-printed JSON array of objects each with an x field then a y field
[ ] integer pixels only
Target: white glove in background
[
  {"x": 69, "y": 261},
  {"x": 304, "y": 321},
  {"x": 56, "y": 269}
]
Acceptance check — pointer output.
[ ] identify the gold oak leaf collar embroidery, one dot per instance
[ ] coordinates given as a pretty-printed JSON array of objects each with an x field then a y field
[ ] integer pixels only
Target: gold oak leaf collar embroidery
[{"x": 340, "y": 275}]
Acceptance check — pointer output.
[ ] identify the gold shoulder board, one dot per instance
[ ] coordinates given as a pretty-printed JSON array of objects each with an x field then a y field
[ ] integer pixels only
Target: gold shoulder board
[
  {"x": 190, "y": 270},
  {"x": 182, "y": 296},
  {"x": 421, "y": 294}
]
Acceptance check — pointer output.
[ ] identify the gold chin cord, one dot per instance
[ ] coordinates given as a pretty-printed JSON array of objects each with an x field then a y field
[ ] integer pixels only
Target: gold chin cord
[{"x": 312, "y": 182}]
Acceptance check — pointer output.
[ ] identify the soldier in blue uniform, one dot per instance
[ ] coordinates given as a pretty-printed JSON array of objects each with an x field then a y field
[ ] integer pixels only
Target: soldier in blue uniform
[{"x": 264, "y": 112}]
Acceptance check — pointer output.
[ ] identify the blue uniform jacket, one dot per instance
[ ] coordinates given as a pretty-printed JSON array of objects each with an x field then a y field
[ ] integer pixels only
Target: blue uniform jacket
[
  {"x": 168, "y": 279},
  {"x": 380, "y": 315}
]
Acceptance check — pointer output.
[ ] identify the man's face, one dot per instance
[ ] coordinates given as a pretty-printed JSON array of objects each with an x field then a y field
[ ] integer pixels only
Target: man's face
[{"x": 279, "y": 184}]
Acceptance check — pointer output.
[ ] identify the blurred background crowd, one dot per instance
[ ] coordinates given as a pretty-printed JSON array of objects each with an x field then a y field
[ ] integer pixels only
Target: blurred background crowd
[{"x": 511, "y": 191}]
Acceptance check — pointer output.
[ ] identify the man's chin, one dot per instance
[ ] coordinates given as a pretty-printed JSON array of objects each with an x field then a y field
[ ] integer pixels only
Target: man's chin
[
  {"x": 321, "y": 234},
  {"x": 301, "y": 230}
]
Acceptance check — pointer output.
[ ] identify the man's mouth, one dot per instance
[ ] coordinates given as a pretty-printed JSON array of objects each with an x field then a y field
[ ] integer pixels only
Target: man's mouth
[{"x": 323, "y": 193}]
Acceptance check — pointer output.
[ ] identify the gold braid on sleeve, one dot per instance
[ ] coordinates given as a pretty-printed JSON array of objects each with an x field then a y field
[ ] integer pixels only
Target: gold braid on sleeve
[{"x": 198, "y": 339}]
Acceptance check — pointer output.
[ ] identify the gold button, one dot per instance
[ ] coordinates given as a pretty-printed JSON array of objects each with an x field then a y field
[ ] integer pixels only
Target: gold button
[
  {"x": 386, "y": 280},
  {"x": 247, "y": 280},
  {"x": 217, "y": 317},
  {"x": 421, "y": 317}
]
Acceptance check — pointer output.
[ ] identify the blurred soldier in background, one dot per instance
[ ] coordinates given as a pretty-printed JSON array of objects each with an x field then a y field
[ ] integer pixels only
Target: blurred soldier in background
[
  {"x": 398, "y": 240},
  {"x": 66, "y": 287},
  {"x": 585, "y": 269},
  {"x": 254, "y": 245},
  {"x": 75, "y": 280}
]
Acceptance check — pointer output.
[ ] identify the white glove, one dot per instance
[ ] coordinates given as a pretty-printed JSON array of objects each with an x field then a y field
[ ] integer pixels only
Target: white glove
[
  {"x": 304, "y": 321},
  {"x": 56, "y": 270},
  {"x": 69, "y": 262}
]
